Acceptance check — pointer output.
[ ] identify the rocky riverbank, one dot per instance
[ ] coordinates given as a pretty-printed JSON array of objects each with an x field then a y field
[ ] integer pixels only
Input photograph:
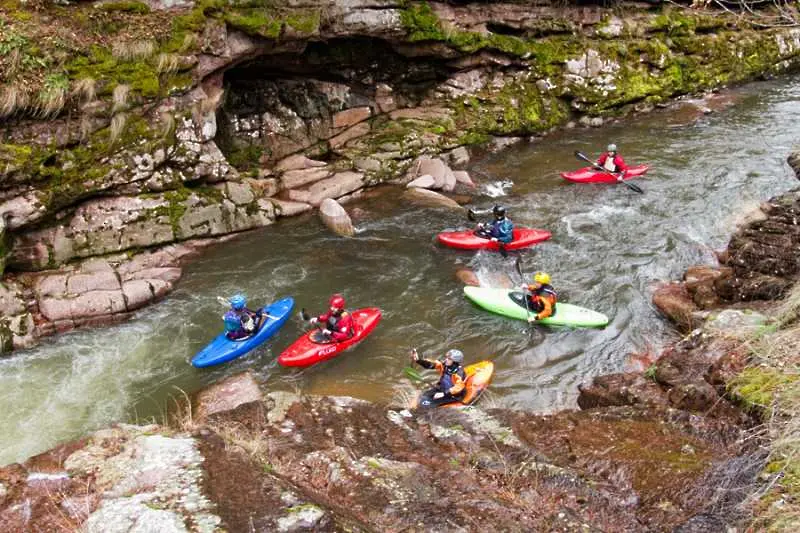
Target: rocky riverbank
[
  {"x": 682, "y": 446},
  {"x": 135, "y": 126}
]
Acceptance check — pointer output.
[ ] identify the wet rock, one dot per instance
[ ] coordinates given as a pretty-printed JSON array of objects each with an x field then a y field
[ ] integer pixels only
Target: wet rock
[
  {"x": 794, "y": 162},
  {"x": 620, "y": 389},
  {"x": 675, "y": 302},
  {"x": 350, "y": 117},
  {"x": 286, "y": 208},
  {"x": 299, "y": 178},
  {"x": 425, "y": 181},
  {"x": 298, "y": 162},
  {"x": 384, "y": 98},
  {"x": 700, "y": 282},
  {"x": 334, "y": 187},
  {"x": 430, "y": 198},
  {"x": 462, "y": 176},
  {"x": 336, "y": 218},
  {"x": 458, "y": 158},
  {"x": 227, "y": 395},
  {"x": 468, "y": 277}
]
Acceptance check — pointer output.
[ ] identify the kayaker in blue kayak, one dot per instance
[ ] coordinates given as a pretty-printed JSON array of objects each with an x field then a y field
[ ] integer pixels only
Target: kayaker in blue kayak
[
  {"x": 241, "y": 322},
  {"x": 500, "y": 229},
  {"x": 541, "y": 296},
  {"x": 452, "y": 379}
]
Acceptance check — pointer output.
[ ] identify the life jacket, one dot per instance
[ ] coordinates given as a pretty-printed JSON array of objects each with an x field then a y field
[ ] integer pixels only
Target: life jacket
[
  {"x": 446, "y": 380},
  {"x": 503, "y": 230},
  {"x": 232, "y": 322},
  {"x": 333, "y": 322},
  {"x": 543, "y": 290},
  {"x": 609, "y": 164}
]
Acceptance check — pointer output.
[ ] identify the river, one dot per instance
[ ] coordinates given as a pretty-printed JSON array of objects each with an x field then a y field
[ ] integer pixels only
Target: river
[{"x": 609, "y": 247}]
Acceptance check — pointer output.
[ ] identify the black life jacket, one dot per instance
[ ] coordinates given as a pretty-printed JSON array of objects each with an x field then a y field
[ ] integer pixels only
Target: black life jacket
[{"x": 446, "y": 381}]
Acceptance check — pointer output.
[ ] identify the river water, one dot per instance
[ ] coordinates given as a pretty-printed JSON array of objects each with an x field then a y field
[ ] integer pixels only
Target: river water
[{"x": 609, "y": 247}]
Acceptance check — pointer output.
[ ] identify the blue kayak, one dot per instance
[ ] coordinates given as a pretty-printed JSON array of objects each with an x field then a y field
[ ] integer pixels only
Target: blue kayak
[{"x": 222, "y": 349}]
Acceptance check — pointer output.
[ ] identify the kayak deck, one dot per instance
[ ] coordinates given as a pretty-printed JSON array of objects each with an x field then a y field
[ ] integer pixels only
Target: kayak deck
[
  {"x": 479, "y": 375},
  {"x": 511, "y": 304},
  {"x": 592, "y": 175},
  {"x": 222, "y": 349},
  {"x": 467, "y": 240},
  {"x": 307, "y": 350}
]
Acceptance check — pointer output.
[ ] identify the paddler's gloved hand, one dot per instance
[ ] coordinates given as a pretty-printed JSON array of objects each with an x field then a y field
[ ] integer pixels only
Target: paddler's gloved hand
[
  {"x": 493, "y": 239},
  {"x": 438, "y": 395},
  {"x": 414, "y": 355},
  {"x": 313, "y": 320},
  {"x": 326, "y": 331}
]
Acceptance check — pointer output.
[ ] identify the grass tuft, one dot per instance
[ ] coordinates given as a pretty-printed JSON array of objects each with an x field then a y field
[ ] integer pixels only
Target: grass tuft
[
  {"x": 133, "y": 50},
  {"x": 13, "y": 98},
  {"x": 168, "y": 63},
  {"x": 120, "y": 97},
  {"x": 53, "y": 95},
  {"x": 117, "y": 127},
  {"x": 85, "y": 89}
]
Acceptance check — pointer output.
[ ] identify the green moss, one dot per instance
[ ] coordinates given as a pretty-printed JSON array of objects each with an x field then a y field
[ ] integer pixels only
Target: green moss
[
  {"x": 304, "y": 21},
  {"x": 245, "y": 157},
  {"x": 256, "y": 22},
  {"x": 421, "y": 23},
  {"x": 99, "y": 64},
  {"x": 139, "y": 8},
  {"x": 760, "y": 387}
]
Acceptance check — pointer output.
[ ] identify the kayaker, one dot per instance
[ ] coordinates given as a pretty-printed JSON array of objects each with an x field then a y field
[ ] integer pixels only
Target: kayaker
[
  {"x": 500, "y": 229},
  {"x": 612, "y": 161},
  {"x": 338, "y": 322},
  {"x": 541, "y": 296},
  {"x": 452, "y": 379},
  {"x": 240, "y": 322}
]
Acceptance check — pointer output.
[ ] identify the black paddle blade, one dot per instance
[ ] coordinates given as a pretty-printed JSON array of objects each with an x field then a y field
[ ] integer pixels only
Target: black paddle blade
[
  {"x": 503, "y": 251},
  {"x": 304, "y": 315},
  {"x": 518, "y": 267},
  {"x": 582, "y": 156},
  {"x": 471, "y": 215},
  {"x": 633, "y": 187}
]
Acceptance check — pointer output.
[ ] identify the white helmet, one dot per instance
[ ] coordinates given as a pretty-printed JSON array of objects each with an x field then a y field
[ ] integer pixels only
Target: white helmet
[
  {"x": 612, "y": 147},
  {"x": 457, "y": 356}
]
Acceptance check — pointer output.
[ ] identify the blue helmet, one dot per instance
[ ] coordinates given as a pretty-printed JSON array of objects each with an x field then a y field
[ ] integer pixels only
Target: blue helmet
[
  {"x": 238, "y": 302},
  {"x": 232, "y": 322}
]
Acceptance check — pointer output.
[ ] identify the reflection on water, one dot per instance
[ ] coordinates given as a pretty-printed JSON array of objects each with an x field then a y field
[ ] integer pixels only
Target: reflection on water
[{"x": 609, "y": 246}]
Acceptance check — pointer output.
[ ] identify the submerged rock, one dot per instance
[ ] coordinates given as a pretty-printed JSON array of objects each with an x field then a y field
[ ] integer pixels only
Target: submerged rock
[{"x": 430, "y": 198}]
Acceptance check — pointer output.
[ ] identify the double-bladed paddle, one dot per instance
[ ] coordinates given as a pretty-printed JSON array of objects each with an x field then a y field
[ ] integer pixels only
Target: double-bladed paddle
[
  {"x": 631, "y": 186},
  {"x": 518, "y": 267}
]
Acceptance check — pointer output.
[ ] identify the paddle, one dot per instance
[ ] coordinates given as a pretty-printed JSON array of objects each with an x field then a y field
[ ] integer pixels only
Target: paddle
[
  {"x": 631, "y": 186},
  {"x": 518, "y": 267},
  {"x": 472, "y": 216},
  {"x": 226, "y": 303}
]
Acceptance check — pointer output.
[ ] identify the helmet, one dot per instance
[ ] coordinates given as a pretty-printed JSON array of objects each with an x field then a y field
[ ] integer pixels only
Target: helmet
[
  {"x": 457, "y": 356},
  {"x": 232, "y": 322},
  {"x": 499, "y": 211},
  {"x": 612, "y": 147},
  {"x": 542, "y": 277},
  {"x": 238, "y": 302},
  {"x": 337, "y": 301}
]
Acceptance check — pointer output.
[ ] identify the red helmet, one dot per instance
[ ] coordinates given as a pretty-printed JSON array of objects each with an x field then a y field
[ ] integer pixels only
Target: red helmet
[{"x": 337, "y": 301}]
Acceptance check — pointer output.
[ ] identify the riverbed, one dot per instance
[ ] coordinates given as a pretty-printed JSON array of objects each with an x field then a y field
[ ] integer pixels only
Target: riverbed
[{"x": 610, "y": 247}]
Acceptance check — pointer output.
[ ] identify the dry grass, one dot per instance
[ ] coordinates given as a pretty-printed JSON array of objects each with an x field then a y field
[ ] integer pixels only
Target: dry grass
[
  {"x": 117, "y": 126},
  {"x": 251, "y": 441},
  {"x": 51, "y": 101},
  {"x": 167, "y": 121},
  {"x": 190, "y": 42},
  {"x": 168, "y": 63},
  {"x": 85, "y": 90},
  {"x": 133, "y": 50},
  {"x": 13, "y": 98},
  {"x": 120, "y": 98}
]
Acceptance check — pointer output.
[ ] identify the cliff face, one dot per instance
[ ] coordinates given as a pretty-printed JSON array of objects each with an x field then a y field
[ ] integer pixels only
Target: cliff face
[{"x": 131, "y": 126}]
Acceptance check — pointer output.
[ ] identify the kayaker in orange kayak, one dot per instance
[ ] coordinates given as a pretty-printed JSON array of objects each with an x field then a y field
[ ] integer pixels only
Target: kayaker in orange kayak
[
  {"x": 541, "y": 296},
  {"x": 338, "y": 324},
  {"x": 612, "y": 161},
  {"x": 452, "y": 379}
]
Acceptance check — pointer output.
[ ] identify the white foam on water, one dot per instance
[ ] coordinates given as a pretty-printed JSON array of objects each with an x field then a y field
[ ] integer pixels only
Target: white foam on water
[{"x": 497, "y": 189}]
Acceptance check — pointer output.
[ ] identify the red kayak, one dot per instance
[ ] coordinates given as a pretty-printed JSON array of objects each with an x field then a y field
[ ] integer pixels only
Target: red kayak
[
  {"x": 312, "y": 347},
  {"x": 592, "y": 175},
  {"x": 467, "y": 240}
]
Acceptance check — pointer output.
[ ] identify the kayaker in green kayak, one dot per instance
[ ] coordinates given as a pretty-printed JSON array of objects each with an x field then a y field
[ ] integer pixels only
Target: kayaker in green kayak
[
  {"x": 612, "y": 161},
  {"x": 500, "y": 229},
  {"x": 241, "y": 322},
  {"x": 452, "y": 379},
  {"x": 542, "y": 297}
]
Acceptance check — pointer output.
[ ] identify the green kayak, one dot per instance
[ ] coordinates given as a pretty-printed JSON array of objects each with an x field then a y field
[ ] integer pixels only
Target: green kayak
[{"x": 509, "y": 303}]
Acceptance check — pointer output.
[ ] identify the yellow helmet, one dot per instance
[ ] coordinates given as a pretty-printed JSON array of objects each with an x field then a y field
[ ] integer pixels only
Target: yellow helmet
[{"x": 542, "y": 277}]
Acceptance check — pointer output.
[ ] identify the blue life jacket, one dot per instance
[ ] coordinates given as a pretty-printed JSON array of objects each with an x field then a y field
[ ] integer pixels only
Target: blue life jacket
[
  {"x": 232, "y": 322},
  {"x": 503, "y": 230}
]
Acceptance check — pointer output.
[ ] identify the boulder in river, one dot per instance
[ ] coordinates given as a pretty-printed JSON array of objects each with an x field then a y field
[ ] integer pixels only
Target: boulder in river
[
  {"x": 226, "y": 395},
  {"x": 336, "y": 218},
  {"x": 468, "y": 277},
  {"x": 675, "y": 302},
  {"x": 430, "y": 198}
]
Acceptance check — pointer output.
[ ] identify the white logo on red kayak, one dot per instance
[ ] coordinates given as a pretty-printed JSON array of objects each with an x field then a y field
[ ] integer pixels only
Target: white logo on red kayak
[{"x": 327, "y": 350}]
